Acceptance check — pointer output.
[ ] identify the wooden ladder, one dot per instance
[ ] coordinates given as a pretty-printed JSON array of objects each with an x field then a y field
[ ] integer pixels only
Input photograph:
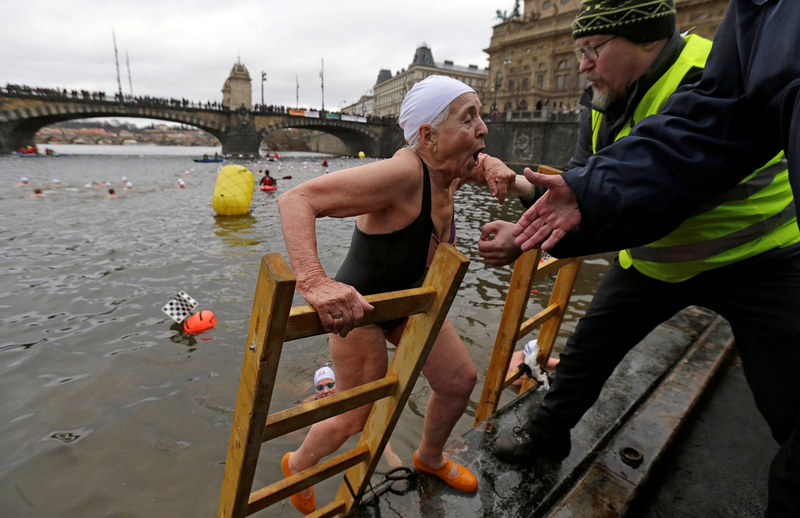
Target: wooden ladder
[
  {"x": 513, "y": 325},
  {"x": 273, "y": 322}
]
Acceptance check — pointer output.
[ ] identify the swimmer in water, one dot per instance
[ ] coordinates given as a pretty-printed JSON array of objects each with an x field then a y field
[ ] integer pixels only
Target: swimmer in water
[
  {"x": 324, "y": 386},
  {"x": 129, "y": 186},
  {"x": 37, "y": 193},
  {"x": 56, "y": 184},
  {"x": 23, "y": 182},
  {"x": 519, "y": 357},
  {"x": 181, "y": 184},
  {"x": 112, "y": 194}
]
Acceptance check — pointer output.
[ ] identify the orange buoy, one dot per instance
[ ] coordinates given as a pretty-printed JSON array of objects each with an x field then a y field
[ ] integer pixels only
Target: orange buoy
[{"x": 199, "y": 322}]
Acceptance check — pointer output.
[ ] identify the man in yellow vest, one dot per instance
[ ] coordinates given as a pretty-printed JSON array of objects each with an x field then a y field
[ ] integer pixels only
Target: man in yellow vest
[{"x": 737, "y": 255}]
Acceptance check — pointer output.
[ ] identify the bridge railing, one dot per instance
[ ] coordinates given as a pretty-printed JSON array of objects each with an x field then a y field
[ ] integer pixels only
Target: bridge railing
[{"x": 85, "y": 95}]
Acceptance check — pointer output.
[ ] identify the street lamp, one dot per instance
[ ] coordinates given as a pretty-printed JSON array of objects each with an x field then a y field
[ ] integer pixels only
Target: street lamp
[
  {"x": 497, "y": 82},
  {"x": 263, "y": 80},
  {"x": 339, "y": 108},
  {"x": 364, "y": 100}
]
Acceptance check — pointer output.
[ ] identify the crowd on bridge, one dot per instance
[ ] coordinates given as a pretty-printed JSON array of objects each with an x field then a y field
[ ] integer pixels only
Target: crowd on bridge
[{"x": 63, "y": 93}]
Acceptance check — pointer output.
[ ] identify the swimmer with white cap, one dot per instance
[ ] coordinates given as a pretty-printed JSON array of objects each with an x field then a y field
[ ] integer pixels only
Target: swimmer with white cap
[
  {"x": 528, "y": 355},
  {"x": 56, "y": 183},
  {"x": 129, "y": 186},
  {"x": 324, "y": 382},
  {"x": 23, "y": 182},
  {"x": 181, "y": 183}
]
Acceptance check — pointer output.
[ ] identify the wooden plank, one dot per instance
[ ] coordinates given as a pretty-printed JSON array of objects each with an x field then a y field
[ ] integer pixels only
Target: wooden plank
[
  {"x": 610, "y": 485},
  {"x": 536, "y": 320},
  {"x": 551, "y": 265},
  {"x": 286, "y": 487},
  {"x": 445, "y": 274},
  {"x": 304, "y": 321},
  {"x": 511, "y": 378},
  {"x": 546, "y": 169},
  {"x": 513, "y": 311},
  {"x": 329, "y": 511},
  {"x": 271, "y": 305},
  {"x": 562, "y": 290},
  {"x": 289, "y": 420}
]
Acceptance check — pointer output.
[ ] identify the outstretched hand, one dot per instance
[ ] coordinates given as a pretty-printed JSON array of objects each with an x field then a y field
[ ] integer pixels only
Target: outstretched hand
[
  {"x": 551, "y": 216},
  {"x": 500, "y": 250},
  {"x": 340, "y": 307}
]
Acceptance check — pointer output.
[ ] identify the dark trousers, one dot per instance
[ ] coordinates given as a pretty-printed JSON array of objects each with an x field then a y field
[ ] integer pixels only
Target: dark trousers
[{"x": 760, "y": 297}]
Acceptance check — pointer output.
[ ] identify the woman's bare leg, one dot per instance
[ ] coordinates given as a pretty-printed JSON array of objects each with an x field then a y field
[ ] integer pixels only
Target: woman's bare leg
[
  {"x": 452, "y": 376},
  {"x": 357, "y": 359}
]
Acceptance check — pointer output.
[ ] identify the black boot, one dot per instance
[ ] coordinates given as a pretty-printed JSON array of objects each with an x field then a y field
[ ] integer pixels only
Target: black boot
[{"x": 532, "y": 442}]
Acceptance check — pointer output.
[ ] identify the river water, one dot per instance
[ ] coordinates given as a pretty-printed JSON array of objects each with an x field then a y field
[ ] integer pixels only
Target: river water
[{"x": 108, "y": 409}]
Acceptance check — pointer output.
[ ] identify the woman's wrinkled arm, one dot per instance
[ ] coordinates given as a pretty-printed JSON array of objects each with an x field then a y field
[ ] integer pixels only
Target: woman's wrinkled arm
[{"x": 342, "y": 194}]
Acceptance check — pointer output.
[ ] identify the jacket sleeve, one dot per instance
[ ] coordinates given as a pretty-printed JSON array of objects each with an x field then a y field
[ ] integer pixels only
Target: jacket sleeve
[{"x": 708, "y": 137}]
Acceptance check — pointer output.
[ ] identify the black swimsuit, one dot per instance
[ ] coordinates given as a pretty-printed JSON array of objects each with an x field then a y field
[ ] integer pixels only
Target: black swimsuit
[{"x": 378, "y": 263}]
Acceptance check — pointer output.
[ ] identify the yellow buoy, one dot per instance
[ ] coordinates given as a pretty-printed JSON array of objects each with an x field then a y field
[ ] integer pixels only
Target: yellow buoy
[
  {"x": 233, "y": 191},
  {"x": 361, "y": 154}
]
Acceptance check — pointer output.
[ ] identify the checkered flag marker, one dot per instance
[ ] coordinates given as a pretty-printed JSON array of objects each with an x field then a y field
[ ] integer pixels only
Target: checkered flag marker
[{"x": 180, "y": 306}]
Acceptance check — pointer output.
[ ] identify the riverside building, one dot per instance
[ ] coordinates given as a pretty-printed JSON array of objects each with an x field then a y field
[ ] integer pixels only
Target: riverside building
[
  {"x": 531, "y": 59},
  {"x": 389, "y": 91}
]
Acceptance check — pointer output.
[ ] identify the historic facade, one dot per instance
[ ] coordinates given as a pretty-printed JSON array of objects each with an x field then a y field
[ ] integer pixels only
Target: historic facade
[
  {"x": 238, "y": 90},
  {"x": 531, "y": 58},
  {"x": 389, "y": 91}
]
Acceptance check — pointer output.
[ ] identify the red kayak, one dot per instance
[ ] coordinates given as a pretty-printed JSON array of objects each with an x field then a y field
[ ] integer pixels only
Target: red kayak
[{"x": 269, "y": 187}]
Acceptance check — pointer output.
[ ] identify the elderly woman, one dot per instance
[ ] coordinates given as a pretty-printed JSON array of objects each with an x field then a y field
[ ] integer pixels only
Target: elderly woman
[{"x": 405, "y": 209}]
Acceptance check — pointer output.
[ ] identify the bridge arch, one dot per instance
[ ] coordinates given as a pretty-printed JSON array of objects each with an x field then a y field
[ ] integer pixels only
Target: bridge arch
[
  {"x": 354, "y": 135},
  {"x": 21, "y": 124}
]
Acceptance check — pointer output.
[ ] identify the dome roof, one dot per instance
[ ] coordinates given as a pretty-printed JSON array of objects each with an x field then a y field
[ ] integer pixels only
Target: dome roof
[{"x": 239, "y": 71}]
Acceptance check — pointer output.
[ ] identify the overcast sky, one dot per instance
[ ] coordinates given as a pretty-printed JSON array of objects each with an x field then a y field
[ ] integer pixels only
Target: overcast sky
[{"x": 187, "y": 49}]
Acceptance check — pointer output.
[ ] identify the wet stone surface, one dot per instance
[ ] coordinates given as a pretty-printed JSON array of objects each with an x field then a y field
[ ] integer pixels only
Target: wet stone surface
[{"x": 513, "y": 491}]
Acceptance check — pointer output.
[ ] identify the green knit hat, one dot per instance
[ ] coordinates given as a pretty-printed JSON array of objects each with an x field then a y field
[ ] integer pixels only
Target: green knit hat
[{"x": 638, "y": 20}]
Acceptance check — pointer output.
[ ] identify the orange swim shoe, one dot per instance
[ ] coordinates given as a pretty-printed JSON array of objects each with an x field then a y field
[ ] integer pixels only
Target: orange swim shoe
[
  {"x": 304, "y": 504},
  {"x": 464, "y": 481}
]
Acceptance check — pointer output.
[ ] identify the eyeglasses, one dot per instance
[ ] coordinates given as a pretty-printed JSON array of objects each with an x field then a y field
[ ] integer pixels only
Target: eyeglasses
[
  {"x": 330, "y": 385},
  {"x": 590, "y": 51}
]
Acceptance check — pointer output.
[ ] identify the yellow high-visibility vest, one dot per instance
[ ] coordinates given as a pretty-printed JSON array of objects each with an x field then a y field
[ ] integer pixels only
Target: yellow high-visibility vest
[{"x": 756, "y": 215}]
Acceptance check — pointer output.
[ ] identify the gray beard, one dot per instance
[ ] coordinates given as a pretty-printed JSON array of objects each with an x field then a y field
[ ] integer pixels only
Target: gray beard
[{"x": 602, "y": 100}]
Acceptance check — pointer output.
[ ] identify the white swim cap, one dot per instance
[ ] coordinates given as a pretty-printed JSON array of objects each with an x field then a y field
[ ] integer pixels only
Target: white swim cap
[
  {"x": 180, "y": 181},
  {"x": 124, "y": 179},
  {"x": 531, "y": 346},
  {"x": 24, "y": 179},
  {"x": 129, "y": 184},
  {"x": 108, "y": 184},
  {"x": 425, "y": 101},
  {"x": 56, "y": 181},
  {"x": 322, "y": 373}
]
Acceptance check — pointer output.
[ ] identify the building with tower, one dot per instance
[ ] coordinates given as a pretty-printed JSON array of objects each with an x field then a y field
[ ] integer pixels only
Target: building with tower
[
  {"x": 238, "y": 90},
  {"x": 389, "y": 91}
]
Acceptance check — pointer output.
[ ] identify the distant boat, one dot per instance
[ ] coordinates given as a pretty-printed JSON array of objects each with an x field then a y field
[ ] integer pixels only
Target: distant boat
[{"x": 206, "y": 160}]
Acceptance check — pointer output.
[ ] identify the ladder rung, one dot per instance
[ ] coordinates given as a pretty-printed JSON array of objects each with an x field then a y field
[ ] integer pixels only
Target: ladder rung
[
  {"x": 511, "y": 378},
  {"x": 536, "y": 320},
  {"x": 550, "y": 266},
  {"x": 308, "y": 477},
  {"x": 304, "y": 321},
  {"x": 281, "y": 423},
  {"x": 330, "y": 510}
]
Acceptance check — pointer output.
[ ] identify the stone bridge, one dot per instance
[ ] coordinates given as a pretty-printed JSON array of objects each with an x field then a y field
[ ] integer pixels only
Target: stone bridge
[{"x": 239, "y": 131}]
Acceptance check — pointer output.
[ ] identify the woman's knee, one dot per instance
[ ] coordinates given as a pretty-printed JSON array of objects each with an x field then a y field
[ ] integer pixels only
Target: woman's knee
[{"x": 460, "y": 384}]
